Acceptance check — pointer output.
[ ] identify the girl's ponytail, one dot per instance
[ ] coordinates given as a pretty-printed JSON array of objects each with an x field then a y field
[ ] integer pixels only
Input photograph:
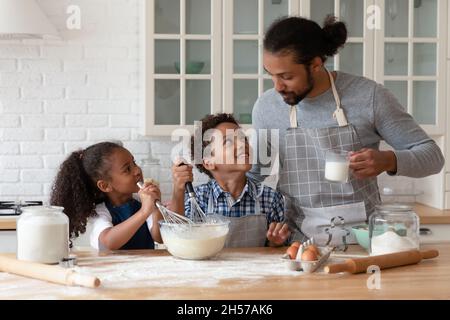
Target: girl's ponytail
[{"x": 73, "y": 190}]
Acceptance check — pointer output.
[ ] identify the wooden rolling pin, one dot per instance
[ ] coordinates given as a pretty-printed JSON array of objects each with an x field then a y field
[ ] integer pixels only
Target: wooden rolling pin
[
  {"x": 384, "y": 261},
  {"x": 46, "y": 272}
]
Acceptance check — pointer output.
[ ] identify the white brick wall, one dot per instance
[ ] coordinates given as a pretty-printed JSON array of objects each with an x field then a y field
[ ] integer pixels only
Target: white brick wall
[{"x": 61, "y": 95}]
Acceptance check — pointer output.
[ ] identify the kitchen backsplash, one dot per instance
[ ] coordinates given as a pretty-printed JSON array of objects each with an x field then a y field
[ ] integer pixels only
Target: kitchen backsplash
[{"x": 59, "y": 96}]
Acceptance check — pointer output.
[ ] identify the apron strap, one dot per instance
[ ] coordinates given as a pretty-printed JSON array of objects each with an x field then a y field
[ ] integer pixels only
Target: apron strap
[
  {"x": 339, "y": 114},
  {"x": 293, "y": 116},
  {"x": 211, "y": 202}
]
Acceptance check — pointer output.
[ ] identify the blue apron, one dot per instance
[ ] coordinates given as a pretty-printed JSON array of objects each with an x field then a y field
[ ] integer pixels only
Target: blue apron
[{"x": 142, "y": 239}]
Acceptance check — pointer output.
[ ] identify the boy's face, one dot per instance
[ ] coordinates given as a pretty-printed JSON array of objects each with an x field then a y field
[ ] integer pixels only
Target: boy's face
[
  {"x": 229, "y": 150},
  {"x": 123, "y": 175}
]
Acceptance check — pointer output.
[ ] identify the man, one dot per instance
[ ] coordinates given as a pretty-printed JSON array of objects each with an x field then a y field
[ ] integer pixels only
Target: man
[{"x": 317, "y": 110}]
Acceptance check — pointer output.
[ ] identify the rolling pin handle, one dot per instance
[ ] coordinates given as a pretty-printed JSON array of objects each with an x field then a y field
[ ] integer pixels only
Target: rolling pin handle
[
  {"x": 81, "y": 280},
  {"x": 429, "y": 254},
  {"x": 336, "y": 268}
]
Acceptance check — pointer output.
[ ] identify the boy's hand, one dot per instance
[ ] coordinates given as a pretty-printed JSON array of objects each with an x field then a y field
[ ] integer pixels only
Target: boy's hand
[
  {"x": 149, "y": 194},
  {"x": 278, "y": 233},
  {"x": 181, "y": 175}
]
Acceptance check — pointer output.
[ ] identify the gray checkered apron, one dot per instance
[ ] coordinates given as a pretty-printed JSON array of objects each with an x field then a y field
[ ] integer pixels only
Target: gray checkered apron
[
  {"x": 246, "y": 231},
  {"x": 316, "y": 207}
]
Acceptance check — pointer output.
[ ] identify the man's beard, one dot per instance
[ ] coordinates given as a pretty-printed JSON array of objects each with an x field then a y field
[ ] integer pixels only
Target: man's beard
[{"x": 293, "y": 99}]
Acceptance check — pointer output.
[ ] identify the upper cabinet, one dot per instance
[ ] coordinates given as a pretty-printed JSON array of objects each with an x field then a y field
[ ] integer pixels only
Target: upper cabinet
[
  {"x": 183, "y": 63},
  {"x": 205, "y": 56},
  {"x": 410, "y": 57},
  {"x": 245, "y": 22}
]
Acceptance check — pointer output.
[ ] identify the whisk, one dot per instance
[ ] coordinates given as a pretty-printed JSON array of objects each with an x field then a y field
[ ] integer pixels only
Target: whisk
[
  {"x": 197, "y": 214},
  {"x": 168, "y": 215}
]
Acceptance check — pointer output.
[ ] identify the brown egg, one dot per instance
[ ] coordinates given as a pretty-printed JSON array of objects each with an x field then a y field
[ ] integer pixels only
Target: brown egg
[
  {"x": 292, "y": 251},
  {"x": 309, "y": 255},
  {"x": 315, "y": 249},
  {"x": 295, "y": 244}
]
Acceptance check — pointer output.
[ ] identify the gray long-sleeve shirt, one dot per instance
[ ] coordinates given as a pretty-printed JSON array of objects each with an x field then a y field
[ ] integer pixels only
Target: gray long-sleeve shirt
[{"x": 372, "y": 109}]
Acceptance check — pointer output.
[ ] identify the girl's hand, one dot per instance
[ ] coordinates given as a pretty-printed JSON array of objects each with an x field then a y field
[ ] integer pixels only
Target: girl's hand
[
  {"x": 278, "y": 233},
  {"x": 149, "y": 195}
]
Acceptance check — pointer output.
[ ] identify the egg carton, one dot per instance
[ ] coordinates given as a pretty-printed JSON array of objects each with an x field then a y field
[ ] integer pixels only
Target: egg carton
[{"x": 308, "y": 266}]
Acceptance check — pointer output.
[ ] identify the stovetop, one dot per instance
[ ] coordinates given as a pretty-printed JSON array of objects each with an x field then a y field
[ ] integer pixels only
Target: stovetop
[{"x": 13, "y": 208}]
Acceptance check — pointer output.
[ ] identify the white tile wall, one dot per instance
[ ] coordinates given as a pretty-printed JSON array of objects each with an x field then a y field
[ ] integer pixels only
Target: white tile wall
[{"x": 57, "y": 96}]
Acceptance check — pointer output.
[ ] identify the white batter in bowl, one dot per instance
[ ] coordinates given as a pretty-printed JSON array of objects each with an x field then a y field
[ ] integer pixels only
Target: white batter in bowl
[{"x": 194, "y": 241}]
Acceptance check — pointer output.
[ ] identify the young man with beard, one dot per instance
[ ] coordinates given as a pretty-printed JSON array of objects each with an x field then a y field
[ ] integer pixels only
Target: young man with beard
[{"x": 316, "y": 110}]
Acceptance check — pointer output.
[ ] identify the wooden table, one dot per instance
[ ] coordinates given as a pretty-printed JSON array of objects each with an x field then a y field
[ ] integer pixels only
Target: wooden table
[{"x": 428, "y": 280}]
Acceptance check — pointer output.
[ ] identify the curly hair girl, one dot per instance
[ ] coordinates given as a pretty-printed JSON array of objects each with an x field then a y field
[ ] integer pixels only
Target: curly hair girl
[{"x": 104, "y": 176}]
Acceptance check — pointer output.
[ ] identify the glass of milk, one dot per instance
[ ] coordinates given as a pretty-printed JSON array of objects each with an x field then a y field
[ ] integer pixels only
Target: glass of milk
[{"x": 337, "y": 165}]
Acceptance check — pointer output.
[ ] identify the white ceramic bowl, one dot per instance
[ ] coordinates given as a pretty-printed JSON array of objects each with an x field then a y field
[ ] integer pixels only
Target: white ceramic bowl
[{"x": 194, "y": 242}]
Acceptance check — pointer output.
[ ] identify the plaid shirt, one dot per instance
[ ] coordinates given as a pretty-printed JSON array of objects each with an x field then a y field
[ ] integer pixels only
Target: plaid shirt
[{"x": 271, "y": 202}]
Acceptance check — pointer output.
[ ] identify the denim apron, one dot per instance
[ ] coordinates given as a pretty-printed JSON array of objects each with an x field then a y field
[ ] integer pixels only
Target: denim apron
[{"x": 142, "y": 239}]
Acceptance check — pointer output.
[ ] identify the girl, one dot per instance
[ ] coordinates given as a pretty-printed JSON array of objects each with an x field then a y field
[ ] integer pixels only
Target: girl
[{"x": 99, "y": 183}]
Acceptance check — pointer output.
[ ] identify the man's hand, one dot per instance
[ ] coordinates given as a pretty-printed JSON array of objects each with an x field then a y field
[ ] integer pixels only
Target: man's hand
[
  {"x": 278, "y": 233},
  {"x": 367, "y": 163}
]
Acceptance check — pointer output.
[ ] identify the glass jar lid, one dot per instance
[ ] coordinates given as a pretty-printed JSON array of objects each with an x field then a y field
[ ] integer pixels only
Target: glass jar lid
[
  {"x": 394, "y": 208},
  {"x": 42, "y": 210}
]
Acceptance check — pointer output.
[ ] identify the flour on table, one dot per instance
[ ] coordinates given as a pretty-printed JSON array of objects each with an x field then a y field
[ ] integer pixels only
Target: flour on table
[
  {"x": 134, "y": 271},
  {"x": 167, "y": 271}
]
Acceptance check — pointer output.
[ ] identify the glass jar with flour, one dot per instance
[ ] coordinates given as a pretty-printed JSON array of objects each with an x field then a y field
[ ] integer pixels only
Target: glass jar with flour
[
  {"x": 43, "y": 234},
  {"x": 393, "y": 228}
]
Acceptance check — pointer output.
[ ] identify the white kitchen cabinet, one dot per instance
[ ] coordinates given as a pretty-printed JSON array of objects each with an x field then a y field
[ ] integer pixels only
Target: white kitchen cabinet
[
  {"x": 8, "y": 241},
  {"x": 205, "y": 56},
  {"x": 447, "y": 154},
  {"x": 439, "y": 233},
  {"x": 448, "y": 42},
  {"x": 407, "y": 54},
  {"x": 182, "y": 62}
]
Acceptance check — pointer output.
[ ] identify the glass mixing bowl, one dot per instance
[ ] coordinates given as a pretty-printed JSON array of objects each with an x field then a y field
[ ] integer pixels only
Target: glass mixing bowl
[{"x": 194, "y": 241}]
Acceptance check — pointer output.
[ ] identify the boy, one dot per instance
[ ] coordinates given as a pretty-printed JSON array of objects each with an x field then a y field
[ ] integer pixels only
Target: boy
[{"x": 255, "y": 212}]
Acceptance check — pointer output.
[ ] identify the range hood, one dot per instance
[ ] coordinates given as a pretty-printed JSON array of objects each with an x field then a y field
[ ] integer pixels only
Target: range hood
[{"x": 24, "y": 19}]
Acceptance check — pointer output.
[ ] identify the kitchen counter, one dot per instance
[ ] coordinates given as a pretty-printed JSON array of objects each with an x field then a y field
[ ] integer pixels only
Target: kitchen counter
[
  {"x": 251, "y": 273},
  {"x": 428, "y": 215},
  {"x": 8, "y": 223}
]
